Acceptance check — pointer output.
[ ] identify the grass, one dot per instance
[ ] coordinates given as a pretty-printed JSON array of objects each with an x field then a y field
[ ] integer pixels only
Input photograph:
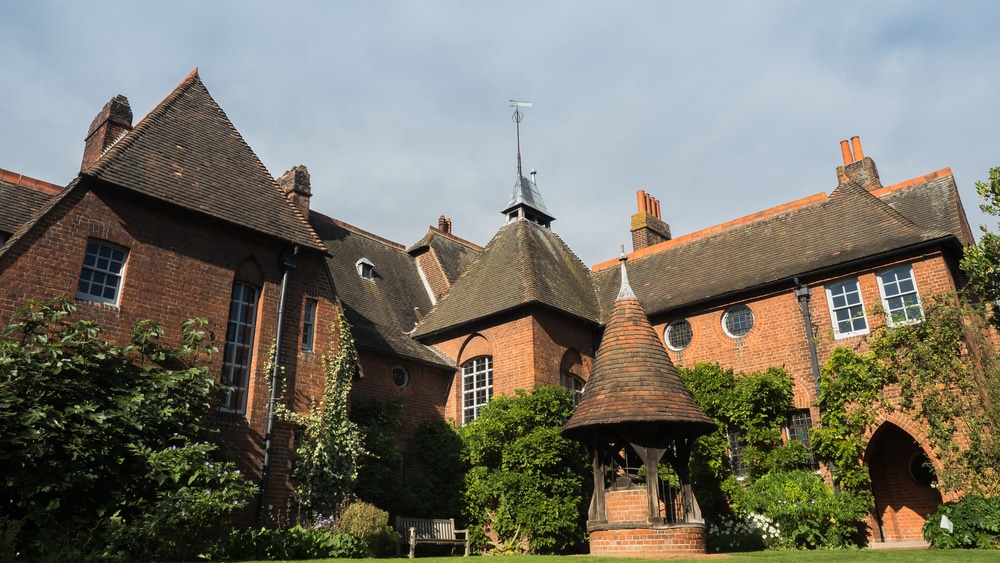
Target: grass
[{"x": 848, "y": 555}]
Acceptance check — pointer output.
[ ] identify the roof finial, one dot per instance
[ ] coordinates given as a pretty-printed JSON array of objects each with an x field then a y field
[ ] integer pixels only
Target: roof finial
[
  {"x": 517, "y": 105},
  {"x": 626, "y": 290}
]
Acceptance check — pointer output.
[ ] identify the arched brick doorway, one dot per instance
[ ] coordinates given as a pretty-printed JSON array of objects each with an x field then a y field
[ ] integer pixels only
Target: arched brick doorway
[{"x": 904, "y": 495}]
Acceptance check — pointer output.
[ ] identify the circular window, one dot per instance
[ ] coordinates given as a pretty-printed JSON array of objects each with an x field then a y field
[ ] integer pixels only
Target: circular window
[
  {"x": 737, "y": 321},
  {"x": 400, "y": 376},
  {"x": 921, "y": 470},
  {"x": 678, "y": 335}
]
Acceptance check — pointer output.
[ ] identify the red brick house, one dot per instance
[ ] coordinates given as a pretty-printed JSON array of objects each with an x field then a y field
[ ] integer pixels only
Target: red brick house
[
  {"x": 176, "y": 218},
  {"x": 183, "y": 220}
]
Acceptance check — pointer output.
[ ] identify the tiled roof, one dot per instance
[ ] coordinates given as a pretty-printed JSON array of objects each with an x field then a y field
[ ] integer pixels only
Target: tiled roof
[
  {"x": 22, "y": 198},
  {"x": 454, "y": 254},
  {"x": 381, "y": 310},
  {"x": 634, "y": 381},
  {"x": 932, "y": 202},
  {"x": 523, "y": 264},
  {"x": 810, "y": 235},
  {"x": 187, "y": 152}
]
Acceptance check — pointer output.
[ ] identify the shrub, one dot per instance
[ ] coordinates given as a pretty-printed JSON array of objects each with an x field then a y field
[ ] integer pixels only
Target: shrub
[
  {"x": 804, "y": 509},
  {"x": 753, "y": 532},
  {"x": 191, "y": 510},
  {"x": 297, "y": 542},
  {"x": 975, "y": 521},
  {"x": 526, "y": 488},
  {"x": 75, "y": 413},
  {"x": 371, "y": 525}
]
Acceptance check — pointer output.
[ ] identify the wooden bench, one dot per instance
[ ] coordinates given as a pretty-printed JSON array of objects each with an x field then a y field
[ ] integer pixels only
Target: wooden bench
[{"x": 426, "y": 530}]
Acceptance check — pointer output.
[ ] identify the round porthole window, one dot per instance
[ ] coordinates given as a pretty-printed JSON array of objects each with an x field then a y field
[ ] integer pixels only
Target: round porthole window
[
  {"x": 678, "y": 335},
  {"x": 737, "y": 321},
  {"x": 921, "y": 470},
  {"x": 400, "y": 376}
]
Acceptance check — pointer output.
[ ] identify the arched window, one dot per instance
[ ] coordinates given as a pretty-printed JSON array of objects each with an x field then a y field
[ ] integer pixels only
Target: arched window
[
  {"x": 238, "y": 353},
  {"x": 477, "y": 386}
]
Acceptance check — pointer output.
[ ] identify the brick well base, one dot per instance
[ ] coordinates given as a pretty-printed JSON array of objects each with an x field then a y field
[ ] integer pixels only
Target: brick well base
[{"x": 682, "y": 538}]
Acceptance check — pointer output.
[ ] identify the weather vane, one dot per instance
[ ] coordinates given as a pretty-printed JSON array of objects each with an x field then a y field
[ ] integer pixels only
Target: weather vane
[{"x": 517, "y": 105}]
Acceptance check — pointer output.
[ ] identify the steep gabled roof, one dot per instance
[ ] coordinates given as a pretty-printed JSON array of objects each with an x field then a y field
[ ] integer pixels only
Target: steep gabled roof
[
  {"x": 381, "y": 310},
  {"x": 524, "y": 264},
  {"x": 815, "y": 233},
  {"x": 453, "y": 253},
  {"x": 187, "y": 152}
]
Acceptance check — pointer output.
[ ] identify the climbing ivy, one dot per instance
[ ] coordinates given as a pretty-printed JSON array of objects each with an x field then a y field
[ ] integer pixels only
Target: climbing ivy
[
  {"x": 326, "y": 459},
  {"x": 944, "y": 375}
]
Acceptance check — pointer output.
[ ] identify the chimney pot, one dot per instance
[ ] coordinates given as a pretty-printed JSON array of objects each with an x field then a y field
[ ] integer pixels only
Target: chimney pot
[
  {"x": 641, "y": 199},
  {"x": 845, "y": 150},
  {"x": 856, "y": 147}
]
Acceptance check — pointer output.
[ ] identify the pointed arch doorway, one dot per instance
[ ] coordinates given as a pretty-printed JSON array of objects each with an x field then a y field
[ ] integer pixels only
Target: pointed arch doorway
[{"x": 904, "y": 487}]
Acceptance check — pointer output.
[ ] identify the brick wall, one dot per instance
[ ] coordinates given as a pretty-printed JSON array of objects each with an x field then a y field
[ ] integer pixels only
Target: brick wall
[
  {"x": 181, "y": 266},
  {"x": 778, "y": 338},
  {"x": 527, "y": 348},
  {"x": 672, "y": 540}
]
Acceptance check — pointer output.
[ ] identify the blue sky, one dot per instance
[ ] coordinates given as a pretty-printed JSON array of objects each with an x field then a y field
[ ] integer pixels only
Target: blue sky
[{"x": 400, "y": 109}]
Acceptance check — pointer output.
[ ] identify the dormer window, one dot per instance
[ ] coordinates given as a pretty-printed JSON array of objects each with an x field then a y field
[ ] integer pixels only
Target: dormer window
[{"x": 365, "y": 269}]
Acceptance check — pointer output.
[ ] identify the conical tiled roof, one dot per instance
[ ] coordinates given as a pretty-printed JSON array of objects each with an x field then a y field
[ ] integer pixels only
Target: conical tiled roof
[{"x": 633, "y": 380}]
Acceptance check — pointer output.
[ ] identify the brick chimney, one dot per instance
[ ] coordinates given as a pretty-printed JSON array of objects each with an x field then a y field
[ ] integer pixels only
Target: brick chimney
[
  {"x": 647, "y": 227},
  {"x": 295, "y": 185},
  {"x": 857, "y": 167},
  {"x": 110, "y": 124},
  {"x": 444, "y": 224}
]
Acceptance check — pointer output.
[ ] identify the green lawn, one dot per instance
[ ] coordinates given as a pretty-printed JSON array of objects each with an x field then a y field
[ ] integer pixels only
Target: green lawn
[{"x": 860, "y": 555}]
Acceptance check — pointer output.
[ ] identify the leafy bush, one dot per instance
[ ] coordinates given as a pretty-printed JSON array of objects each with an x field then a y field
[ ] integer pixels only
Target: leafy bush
[
  {"x": 753, "y": 532},
  {"x": 380, "y": 481},
  {"x": 297, "y": 542},
  {"x": 804, "y": 510},
  {"x": 371, "y": 525},
  {"x": 525, "y": 490},
  {"x": 76, "y": 415},
  {"x": 436, "y": 487},
  {"x": 191, "y": 510},
  {"x": 976, "y": 522}
]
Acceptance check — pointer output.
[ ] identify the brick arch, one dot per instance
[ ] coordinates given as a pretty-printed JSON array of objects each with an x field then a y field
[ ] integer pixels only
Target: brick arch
[
  {"x": 249, "y": 271},
  {"x": 476, "y": 345},
  {"x": 908, "y": 425},
  {"x": 572, "y": 362},
  {"x": 901, "y": 504}
]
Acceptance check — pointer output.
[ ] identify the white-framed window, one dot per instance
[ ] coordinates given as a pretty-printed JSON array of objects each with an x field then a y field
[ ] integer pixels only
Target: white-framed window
[
  {"x": 365, "y": 269},
  {"x": 238, "y": 353},
  {"x": 737, "y": 321},
  {"x": 477, "y": 386},
  {"x": 101, "y": 274},
  {"x": 899, "y": 295},
  {"x": 847, "y": 310},
  {"x": 309, "y": 324},
  {"x": 575, "y": 384},
  {"x": 678, "y": 335}
]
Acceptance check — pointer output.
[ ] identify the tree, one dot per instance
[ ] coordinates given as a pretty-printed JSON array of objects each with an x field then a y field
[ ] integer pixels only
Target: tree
[
  {"x": 526, "y": 486},
  {"x": 981, "y": 262}
]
